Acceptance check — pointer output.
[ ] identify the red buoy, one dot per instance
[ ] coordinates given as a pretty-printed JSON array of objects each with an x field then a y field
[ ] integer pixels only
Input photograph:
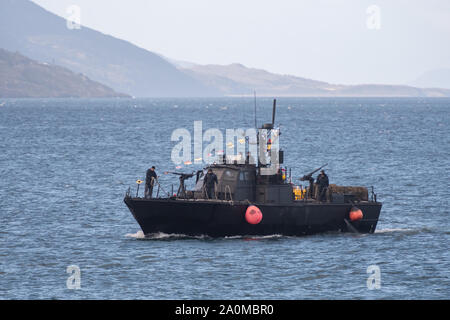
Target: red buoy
[
  {"x": 356, "y": 214},
  {"x": 253, "y": 215}
]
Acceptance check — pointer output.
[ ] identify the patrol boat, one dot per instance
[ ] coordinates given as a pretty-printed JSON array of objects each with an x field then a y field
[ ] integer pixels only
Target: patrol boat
[{"x": 250, "y": 200}]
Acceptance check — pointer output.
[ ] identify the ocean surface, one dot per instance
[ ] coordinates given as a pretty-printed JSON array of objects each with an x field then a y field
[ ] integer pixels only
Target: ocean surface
[{"x": 65, "y": 165}]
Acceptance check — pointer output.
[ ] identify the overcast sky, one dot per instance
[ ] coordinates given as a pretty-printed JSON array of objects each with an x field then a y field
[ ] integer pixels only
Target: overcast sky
[{"x": 339, "y": 41}]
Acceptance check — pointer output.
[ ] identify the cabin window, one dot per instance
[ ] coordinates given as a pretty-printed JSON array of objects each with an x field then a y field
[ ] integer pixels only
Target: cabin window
[
  {"x": 229, "y": 175},
  {"x": 244, "y": 176}
]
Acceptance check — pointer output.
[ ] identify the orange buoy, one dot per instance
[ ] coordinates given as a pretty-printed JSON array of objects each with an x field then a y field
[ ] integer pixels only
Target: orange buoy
[
  {"x": 253, "y": 215},
  {"x": 356, "y": 214}
]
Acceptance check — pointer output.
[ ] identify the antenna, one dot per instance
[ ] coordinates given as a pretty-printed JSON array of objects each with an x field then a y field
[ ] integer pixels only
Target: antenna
[{"x": 254, "y": 92}]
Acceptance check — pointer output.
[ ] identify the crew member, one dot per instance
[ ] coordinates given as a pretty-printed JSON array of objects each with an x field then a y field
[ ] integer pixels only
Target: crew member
[
  {"x": 209, "y": 183},
  {"x": 323, "y": 183},
  {"x": 150, "y": 180}
]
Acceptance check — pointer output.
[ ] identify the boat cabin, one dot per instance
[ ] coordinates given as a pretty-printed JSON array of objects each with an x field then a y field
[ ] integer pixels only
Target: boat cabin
[{"x": 241, "y": 182}]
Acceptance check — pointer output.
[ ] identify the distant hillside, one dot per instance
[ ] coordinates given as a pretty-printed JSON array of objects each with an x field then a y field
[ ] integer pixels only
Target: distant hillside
[
  {"x": 29, "y": 29},
  {"x": 236, "y": 79},
  {"x": 438, "y": 78},
  {"x": 21, "y": 77},
  {"x": 43, "y": 36}
]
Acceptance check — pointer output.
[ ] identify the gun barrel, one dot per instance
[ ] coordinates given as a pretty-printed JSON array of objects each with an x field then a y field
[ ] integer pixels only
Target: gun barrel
[
  {"x": 179, "y": 173},
  {"x": 311, "y": 173}
]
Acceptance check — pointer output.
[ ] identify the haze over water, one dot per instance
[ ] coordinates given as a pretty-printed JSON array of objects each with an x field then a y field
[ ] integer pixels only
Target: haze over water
[{"x": 66, "y": 164}]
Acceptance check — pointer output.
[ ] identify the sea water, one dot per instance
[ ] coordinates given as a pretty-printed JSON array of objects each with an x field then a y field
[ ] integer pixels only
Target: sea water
[{"x": 65, "y": 165}]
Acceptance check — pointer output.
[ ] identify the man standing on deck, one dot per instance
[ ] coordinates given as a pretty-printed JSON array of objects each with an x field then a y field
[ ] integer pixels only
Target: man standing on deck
[
  {"x": 150, "y": 180},
  {"x": 323, "y": 183},
  {"x": 209, "y": 183}
]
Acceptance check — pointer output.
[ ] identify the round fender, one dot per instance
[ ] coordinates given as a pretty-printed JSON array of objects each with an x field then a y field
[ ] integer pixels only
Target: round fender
[
  {"x": 253, "y": 215},
  {"x": 355, "y": 214}
]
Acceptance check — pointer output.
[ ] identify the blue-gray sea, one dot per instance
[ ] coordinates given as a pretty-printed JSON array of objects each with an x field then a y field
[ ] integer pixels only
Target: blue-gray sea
[{"x": 65, "y": 165}]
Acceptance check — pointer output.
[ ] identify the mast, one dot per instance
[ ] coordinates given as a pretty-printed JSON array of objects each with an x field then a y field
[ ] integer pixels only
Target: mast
[
  {"x": 256, "y": 126},
  {"x": 273, "y": 111}
]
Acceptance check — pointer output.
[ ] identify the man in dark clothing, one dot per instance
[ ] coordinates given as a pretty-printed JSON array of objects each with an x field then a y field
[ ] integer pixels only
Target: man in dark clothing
[
  {"x": 150, "y": 180},
  {"x": 323, "y": 183},
  {"x": 209, "y": 183}
]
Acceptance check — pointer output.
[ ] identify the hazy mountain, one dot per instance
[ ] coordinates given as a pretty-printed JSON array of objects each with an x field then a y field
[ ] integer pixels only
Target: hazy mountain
[
  {"x": 179, "y": 64},
  {"x": 236, "y": 79},
  {"x": 438, "y": 78},
  {"x": 21, "y": 77},
  {"x": 27, "y": 28},
  {"x": 31, "y": 30}
]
